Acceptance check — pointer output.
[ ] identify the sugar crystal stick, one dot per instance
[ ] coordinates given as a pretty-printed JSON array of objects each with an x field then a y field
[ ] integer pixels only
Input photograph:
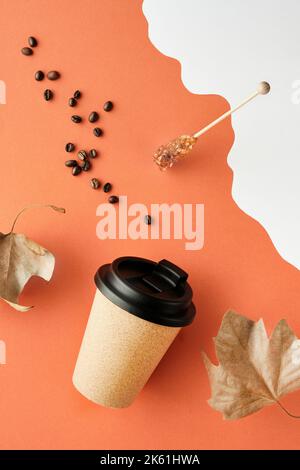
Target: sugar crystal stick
[{"x": 168, "y": 154}]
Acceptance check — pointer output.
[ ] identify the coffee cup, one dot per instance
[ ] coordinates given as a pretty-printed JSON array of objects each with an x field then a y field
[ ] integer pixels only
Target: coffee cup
[{"x": 139, "y": 308}]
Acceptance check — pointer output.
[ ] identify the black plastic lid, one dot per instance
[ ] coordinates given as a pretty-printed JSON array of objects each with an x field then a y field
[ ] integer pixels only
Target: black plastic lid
[{"x": 156, "y": 292}]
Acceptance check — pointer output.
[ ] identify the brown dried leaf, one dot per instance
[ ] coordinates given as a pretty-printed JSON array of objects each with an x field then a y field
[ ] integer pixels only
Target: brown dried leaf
[
  {"x": 20, "y": 259},
  {"x": 253, "y": 371}
]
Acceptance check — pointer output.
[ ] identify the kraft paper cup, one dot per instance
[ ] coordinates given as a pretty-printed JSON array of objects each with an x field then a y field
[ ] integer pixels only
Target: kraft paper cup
[{"x": 138, "y": 310}]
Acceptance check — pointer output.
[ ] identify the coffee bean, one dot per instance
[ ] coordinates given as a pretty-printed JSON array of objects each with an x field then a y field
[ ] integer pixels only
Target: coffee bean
[
  {"x": 107, "y": 187},
  {"x": 147, "y": 219},
  {"x": 94, "y": 116},
  {"x": 72, "y": 102},
  {"x": 27, "y": 51},
  {"x": 97, "y": 131},
  {"x": 113, "y": 199},
  {"x": 76, "y": 170},
  {"x": 82, "y": 155},
  {"x": 39, "y": 76},
  {"x": 95, "y": 183},
  {"x": 32, "y": 41},
  {"x": 86, "y": 165},
  {"x": 71, "y": 163},
  {"x": 77, "y": 94},
  {"x": 70, "y": 147},
  {"x": 76, "y": 118},
  {"x": 93, "y": 153},
  {"x": 108, "y": 106},
  {"x": 48, "y": 95},
  {"x": 53, "y": 75}
]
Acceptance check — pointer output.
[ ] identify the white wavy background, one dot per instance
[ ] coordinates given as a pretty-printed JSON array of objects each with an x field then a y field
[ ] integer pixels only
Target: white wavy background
[{"x": 226, "y": 48}]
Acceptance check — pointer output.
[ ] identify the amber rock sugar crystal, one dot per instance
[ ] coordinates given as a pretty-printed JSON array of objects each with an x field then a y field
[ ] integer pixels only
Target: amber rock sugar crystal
[{"x": 167, "y": 155}]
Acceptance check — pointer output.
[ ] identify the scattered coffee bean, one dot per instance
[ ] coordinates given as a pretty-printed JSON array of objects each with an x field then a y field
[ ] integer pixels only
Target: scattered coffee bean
[
  {"x": 27, "y": 51},
  {"x": 72, "y": 102},
  {"x": 70, "y": 147},
  {"x": 97, "y": 131},
  {"x": 95, "y": 183},
  {"x": 48, "y": 95},
  {"x": 94, "y": 116},
  {"x": 147, "y": 219},
  {"x": 108, "y": 106},
  {"x": 107, "y": 187},
  {"x": 76, "y": 170},
  {"x": 113, "y": 199},
  {"x": 53, "y": 75},
  {"x": 71, "y": 163},
  {"x": 39, "y": 76},
  {"x": 82, "y": 155},
  {"x": 76, "y": 118},
  {"x": 93, "y": 153},
  {"x": 32, "y": 41},
  {"x": 77, "y": 94},
  {"x": 86, "y": 165}
]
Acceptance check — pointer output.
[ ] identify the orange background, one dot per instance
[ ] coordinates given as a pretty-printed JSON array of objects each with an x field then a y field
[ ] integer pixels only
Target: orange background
[{"x": 102, "y": 48}]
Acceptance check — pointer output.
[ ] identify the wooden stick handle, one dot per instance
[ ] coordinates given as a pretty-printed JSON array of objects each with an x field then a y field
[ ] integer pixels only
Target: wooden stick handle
[{"x": 262, "y": 89}]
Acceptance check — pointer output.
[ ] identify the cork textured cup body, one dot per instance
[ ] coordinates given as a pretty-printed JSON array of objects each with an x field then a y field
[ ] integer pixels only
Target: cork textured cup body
[{"x": 118, "y": 354}]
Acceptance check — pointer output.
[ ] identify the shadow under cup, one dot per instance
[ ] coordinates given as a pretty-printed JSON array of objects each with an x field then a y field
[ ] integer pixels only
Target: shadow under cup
[{"x": 139, "y": 308}]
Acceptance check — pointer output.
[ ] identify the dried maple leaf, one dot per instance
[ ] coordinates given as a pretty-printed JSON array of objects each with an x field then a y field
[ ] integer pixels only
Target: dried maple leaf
[
  {"x": 20, "y": 259},
  {"x": 253, "y": 371}
]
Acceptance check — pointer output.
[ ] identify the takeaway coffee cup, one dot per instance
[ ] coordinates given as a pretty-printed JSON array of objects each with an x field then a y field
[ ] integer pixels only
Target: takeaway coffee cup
[{"x": 139, "y": 308}]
